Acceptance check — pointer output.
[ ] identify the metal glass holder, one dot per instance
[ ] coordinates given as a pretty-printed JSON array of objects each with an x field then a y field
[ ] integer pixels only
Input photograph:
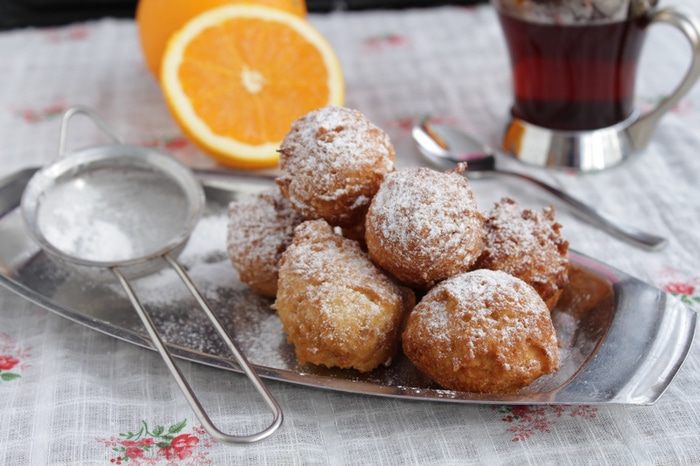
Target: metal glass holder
[{"x": 598, "y": 149}]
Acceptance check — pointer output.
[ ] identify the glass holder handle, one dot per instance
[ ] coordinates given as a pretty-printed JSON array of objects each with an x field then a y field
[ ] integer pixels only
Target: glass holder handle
[{"x": 640, "y": 131}]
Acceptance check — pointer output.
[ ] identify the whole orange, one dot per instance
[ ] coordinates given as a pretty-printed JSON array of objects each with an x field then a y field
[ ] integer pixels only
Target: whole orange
[{"x": 159, "y": 19}]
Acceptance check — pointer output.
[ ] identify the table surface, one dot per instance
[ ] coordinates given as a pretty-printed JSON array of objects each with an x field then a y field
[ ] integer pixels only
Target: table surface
[{"x": 75, "y": 395}]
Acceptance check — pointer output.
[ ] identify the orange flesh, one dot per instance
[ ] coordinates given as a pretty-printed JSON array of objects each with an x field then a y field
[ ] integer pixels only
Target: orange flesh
[{"x": 215, "y": 64}]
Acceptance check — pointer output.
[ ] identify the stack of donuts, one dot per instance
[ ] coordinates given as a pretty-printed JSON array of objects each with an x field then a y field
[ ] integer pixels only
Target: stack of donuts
[{"x": 347, "y": 244}]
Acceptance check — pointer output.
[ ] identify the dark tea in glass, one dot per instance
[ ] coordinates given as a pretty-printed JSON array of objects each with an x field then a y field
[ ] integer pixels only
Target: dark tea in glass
[
  {"x": 573, "y": 77},
  {"x": 574, "y": 62},
  {"x": 574, "y": 66}
]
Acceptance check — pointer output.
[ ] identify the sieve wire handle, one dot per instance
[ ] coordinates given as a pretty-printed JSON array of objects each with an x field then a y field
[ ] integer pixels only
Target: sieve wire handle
[
  {"x": 177, "y": 374},
  {"x": 92, "y": 116}
]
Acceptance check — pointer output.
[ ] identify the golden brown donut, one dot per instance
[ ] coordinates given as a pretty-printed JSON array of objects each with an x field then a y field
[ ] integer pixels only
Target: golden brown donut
[
  {"x": 333, "y": 161},
  {"x": 337, "y": 308},
  {"x": 424, "y": 226},
  {"x": 260, "y": 228},
  {"x": 528, "y": 245},
  {"x": 483, "y": 331}
]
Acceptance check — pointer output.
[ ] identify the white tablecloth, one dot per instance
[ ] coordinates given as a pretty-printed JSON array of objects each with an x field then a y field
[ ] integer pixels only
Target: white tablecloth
[{"x": 72, "y": 396}]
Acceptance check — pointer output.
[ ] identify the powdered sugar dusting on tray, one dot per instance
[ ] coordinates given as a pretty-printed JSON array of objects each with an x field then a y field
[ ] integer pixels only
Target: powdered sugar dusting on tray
[
  {"x": 265, "y": 342},
  {"x": 207, "y": 240},
  {"x": 205, "y": 261},
  {"x": 248, "y": 317}
]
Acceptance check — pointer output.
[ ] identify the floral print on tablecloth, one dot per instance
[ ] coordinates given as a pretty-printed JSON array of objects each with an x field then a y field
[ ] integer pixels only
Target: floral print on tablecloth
[
  {"x": 687, "y": 292},
  {"x": 170, "y": 143},
  {"x": 74, "y": 33},
  {"x": 160, "y": 445},
  {"x": 40, "y": 113},
  {"x": 526, "y": 421},
  {"x": 388, "y": 41},
  {"x": 681, "y": 285},
  {"x": 13, "y": 359}
]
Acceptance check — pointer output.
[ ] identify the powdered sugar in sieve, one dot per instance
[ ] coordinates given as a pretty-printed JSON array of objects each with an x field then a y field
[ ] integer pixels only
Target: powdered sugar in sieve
[{"x": 112, "y": 215}]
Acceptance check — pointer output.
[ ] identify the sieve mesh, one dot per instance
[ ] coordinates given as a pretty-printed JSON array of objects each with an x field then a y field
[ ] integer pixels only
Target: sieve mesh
[{"x": 109, "y": 214}]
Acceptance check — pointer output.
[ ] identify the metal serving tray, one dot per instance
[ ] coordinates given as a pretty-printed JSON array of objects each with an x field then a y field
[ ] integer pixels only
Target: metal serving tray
[{"x": 622, "y": 340}]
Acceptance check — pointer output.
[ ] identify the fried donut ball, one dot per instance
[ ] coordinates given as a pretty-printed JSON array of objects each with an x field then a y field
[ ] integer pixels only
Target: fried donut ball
[
  {"x": 483, "y": 331},
  {"x": 259, "y": 230},
  {"x": 423, "y": 226},
  {"x": 337, "y": 308},
  {"x": 333, "y": 161},
  {"x": 528, "y": 245}
]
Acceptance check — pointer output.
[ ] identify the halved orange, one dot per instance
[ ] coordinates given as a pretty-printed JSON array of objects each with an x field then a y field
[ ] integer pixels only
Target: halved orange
[
  {"x": 159, "y": 19},
  {"x": 236, "y": 77}
]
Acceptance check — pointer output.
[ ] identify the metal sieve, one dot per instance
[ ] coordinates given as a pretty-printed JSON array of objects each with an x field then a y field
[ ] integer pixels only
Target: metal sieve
[{"x": 118, "y": 211}]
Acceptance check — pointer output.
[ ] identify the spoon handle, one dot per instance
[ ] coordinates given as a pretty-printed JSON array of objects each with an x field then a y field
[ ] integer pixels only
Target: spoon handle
[{"x": 591, "y": 215}]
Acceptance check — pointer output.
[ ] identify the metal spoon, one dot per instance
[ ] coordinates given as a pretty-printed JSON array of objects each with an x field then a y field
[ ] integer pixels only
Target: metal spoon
[{"x": 445, "y": 145}]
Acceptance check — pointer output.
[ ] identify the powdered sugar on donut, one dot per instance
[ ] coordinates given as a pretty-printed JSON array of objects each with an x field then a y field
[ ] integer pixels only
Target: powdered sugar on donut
[
  {"x": 330, "y": 258},
  {"x": 260, "y": 228},
  {"x": 483, "y": 319},
  {"x": 333, "y": 160},
  {"x": 484, "y": 291},
  {"x": 526, "y": 244},
  {"x": 424, "y": 220},
  {"x": 337, "y": 308}
]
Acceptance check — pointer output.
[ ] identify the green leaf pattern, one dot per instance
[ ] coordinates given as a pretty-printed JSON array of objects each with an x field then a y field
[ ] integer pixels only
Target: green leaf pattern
[
  {"x": 177, "y": 427},
  {"x": 9, "y": 376},
  {"x": 156, "y": 432}
]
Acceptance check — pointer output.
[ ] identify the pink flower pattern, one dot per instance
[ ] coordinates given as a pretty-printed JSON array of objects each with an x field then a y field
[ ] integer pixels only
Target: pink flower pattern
[
  {"x": 66, "y": 34},
  {"x": 160, "y": 446},
  {"x": 526, "y": 421},
  {"x": 682, "y": 286},
  {"x": 385, "y": 41},
  {"x": 34, "y": 115},
  {"x": 13, "y": 358},
  {"x": 687, "y": 292},
  {"x": 171, "y": 144},
  {"x": 7, "y": 362}
]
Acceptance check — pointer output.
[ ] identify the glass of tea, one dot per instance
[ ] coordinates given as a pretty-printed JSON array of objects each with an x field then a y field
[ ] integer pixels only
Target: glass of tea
[{"x": 574, "y": 65}]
